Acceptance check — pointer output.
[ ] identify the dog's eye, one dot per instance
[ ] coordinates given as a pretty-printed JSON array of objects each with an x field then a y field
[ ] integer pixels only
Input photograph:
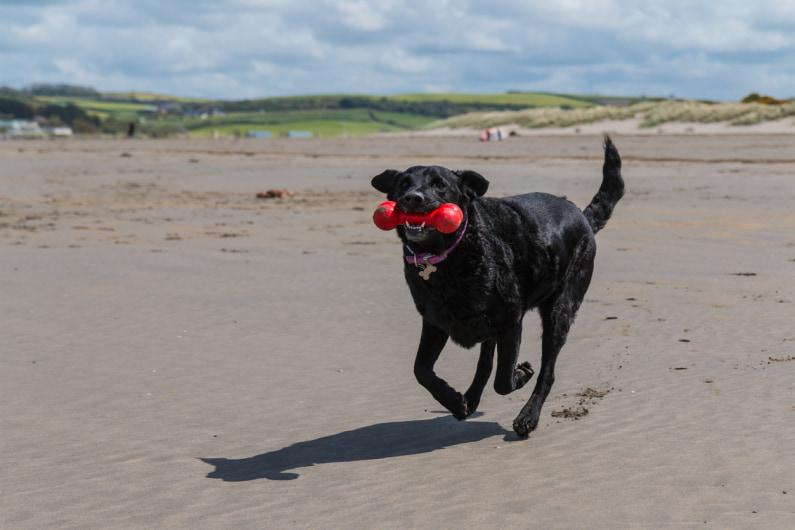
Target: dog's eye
[
  {"x": 437, "y": 183},
  {"x": 405, "y": 183}
]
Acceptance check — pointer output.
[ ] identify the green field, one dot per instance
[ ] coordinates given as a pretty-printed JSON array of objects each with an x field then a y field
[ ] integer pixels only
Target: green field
[
  {"x": 119, "y": 110},
  {"x": 99, "y": 105},
  {"x": 151, "y": 97},
  {"x": 333, "y": 122}
]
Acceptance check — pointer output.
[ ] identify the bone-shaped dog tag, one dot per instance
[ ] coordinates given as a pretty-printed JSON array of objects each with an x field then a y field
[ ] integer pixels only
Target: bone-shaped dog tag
[{"x": 426, "y": 272}]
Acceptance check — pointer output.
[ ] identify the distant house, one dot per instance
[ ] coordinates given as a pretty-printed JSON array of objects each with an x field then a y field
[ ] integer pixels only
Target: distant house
[
  {"x": 21, "y": 129},
  {"x": 299, "y": 134},
  {"x": 169, "y": 107},
  {"x": 31, "y": 129},
  {"x": 259, "y": 134},
  {"x": 60, "y": 132},
  {"x": 203, "y": 113}
]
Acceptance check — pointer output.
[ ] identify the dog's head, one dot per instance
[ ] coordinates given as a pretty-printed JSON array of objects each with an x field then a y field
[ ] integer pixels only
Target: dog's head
[{"x": 422, "y": 189}]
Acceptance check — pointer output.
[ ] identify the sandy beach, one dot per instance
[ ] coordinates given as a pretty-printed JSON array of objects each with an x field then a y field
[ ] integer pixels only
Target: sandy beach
[{"x": 177, "y": 353}]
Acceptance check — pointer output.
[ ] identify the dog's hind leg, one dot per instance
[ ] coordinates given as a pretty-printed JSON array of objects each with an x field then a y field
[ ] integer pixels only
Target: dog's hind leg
[
  {"x": 432, "y": 341},
  {"x": 509, "y": 376},
  {"x": 482, "y": 374},
  {"x": 556, "y": 321},
  {"x": 557, "y": 316}
]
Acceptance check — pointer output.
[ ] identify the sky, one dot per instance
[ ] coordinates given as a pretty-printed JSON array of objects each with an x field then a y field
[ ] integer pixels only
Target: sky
[{"x": 234, "y": 49}]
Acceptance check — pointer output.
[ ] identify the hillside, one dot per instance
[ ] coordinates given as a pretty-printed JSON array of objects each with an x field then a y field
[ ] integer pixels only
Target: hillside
[
  {"x": 159, "y": 115},
  {"x": 321, "y": 115}
]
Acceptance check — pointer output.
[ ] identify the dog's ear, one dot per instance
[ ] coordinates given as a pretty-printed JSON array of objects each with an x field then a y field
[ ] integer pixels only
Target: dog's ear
[
  {"x": 473, "y": 182},
  {"x": 385, "y": 181}
]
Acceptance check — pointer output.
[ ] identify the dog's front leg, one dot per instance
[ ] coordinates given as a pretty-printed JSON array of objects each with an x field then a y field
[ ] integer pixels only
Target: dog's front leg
[
  {"x": 432, "y": 342},
  {"x": 510, "y": 376},
  {"x": 482, "y": 374}
]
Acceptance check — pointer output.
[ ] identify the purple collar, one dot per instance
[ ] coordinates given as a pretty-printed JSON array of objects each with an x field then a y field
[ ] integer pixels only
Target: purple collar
[{"x": 427, "y": 258}]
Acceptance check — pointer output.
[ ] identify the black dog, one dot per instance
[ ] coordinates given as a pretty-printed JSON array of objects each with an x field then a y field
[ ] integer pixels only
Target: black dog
[{"x": 475, "y": 285}]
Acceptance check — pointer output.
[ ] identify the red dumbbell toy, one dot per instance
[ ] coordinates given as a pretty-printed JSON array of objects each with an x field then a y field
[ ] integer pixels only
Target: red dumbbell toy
[{"x": 446, "y": 218}]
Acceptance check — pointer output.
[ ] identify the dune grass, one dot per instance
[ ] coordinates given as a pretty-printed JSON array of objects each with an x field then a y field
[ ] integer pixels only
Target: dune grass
[
  {"x": 699, "y": 112},
  {"x": 650, "y": 114},
  {"x": 539, "y": 118}
]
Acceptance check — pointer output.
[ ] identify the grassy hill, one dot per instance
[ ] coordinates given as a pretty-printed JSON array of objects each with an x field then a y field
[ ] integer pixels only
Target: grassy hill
[
  {"x": 323, "y": 115},
  {"x": 519, "y": 99},
  {"x": 90, "y": 111},
  {"x": 150, "y": 97},
  {"x": 331, "y": 122},
  {"x": 102, "y": 108}
]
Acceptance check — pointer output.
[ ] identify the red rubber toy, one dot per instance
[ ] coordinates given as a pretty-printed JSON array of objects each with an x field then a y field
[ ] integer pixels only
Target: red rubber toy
[{"x": 446, "y": 218}]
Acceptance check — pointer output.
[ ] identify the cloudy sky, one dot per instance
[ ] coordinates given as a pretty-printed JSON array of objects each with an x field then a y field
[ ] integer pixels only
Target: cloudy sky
[{"x": 246, "y": 48}]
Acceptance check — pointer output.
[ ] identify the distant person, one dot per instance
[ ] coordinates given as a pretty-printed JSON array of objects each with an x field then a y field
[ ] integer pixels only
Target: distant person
[
  {"x": 485, "y": 136},
  {"x": 131, "y": 130}
]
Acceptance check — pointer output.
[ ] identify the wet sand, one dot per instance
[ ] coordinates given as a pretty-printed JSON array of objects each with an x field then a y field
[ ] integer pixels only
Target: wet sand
[{"x": 177, "y": 353}]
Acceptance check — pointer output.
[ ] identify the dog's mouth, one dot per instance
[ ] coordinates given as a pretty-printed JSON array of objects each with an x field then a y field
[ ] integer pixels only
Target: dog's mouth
[{"x": 417, "y": 232}]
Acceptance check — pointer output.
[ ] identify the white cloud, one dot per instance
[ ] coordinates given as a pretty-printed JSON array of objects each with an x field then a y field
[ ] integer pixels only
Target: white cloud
[
  {"x": 249, "y": 48},
  {"x": 360, "y": 15}
]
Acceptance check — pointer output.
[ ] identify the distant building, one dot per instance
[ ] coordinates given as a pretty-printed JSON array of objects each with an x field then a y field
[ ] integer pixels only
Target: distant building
[
  {"x": 21, "y": 129},
  {"x": 31, "y": 129},
  {"x": 61, "y": 132},
  {"x": 299, "y": 134},
  {"x": 169, "y": 107},
  {"x": 259, "y": 134},
  {"x": 203, "y": 113}
]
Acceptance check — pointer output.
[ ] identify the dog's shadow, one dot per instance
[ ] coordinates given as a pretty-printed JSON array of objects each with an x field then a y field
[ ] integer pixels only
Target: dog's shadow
[{"x": 382, "y": 440}]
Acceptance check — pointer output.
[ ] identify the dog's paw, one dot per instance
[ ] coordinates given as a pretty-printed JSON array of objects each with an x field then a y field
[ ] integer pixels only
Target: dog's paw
[
  {"x": 463, "y": 410},
  {"x": 524, "y": 424},
  {"x": 472, "y": 403},
  {"x": 522, "y": 374}
]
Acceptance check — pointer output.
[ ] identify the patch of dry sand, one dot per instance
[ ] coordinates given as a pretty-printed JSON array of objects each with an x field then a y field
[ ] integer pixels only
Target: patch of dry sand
[{"x": 179, "y": 354}]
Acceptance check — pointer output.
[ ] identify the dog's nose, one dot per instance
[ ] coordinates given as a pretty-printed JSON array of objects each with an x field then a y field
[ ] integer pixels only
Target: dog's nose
[{"x": 413, "y": 198}]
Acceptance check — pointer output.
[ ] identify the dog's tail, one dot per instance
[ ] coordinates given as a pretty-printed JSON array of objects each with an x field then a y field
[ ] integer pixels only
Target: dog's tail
[{"x": 610, "y": 192}]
